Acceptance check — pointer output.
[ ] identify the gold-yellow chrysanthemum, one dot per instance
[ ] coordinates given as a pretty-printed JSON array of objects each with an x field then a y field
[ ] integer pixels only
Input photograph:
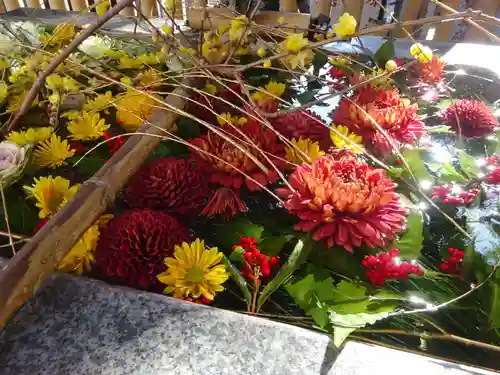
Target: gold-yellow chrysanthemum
[
  {"x": 150, "y": 77},
  {"x": 271, "y": 91},
  {"x": 356, "y": 143},
  {"x": 133, "y": 108},
  {"x": 50, "y": 194},
  {"x": 99, "y": 103},
  {"x": 238, "y": 28},
  {"x": 296, "y": 43},
  {"x": 81, "y": 256},
  {"x": 53, "y": 152},
  {"x": 87, "y": 127},
  {"x": 304, "y": 151},
  {"x": 61, "y": 35},
  {"x": 226, "y": 118},
  {"x": 194, "y": 271},
  {"x": 32, "y": 135},
  {"x": 127, "y": 62}
]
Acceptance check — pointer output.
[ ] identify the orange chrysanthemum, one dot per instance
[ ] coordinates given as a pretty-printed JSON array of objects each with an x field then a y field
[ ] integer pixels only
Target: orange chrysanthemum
[
  {"x": 346, "y": 202},
  {"x": 431, "y": 72}
]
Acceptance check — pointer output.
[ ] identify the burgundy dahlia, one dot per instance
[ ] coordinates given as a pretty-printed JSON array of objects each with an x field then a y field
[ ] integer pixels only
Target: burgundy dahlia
[
  {"x": 470, "y": 118},
  {"x": 170, "y": 184},
  {"x": 133, "y": 246},
  {"x": 346, "y": 202},
  {"x": 305, "y": 124}
]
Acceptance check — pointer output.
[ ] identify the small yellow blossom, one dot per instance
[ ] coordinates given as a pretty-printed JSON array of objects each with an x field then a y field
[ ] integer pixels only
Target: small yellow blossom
[
  {"x": 353, "y": 142},
  {"x": 188, "y": 51},
  {"x": 422, "y": 53},
  {"x": 62, "y": 35},
  {"x": 329, "y": 34},
  {"x": 4, "y": 91},
  {"x": 194, "y": 271},
  {"x": 150, "y": 77},
  {"x": 53, "y": 152},
  {"x": 127, "y": 62},
  {"x": 102, "y": 7},
  {"x": 151, "y": 58},
  {"x": 166, "y": 29},
  {"x": 126, "y": 81},
  {"x": 271, "y": 91},
  {"x": 211, "y": 89},
  {"x": 30, "y": 136},
  {"x": 133, "y": 108},
  {"x": 281, "y": 20},
  {"x": 226, "y": 118},
  {"x": 391, "y": 66},
  {"x": 238, "y": 28},
  {"x": 87, "y": 127},
  {"x": 99, "y": 103},
  {"x": 296, "y": 43},
  {"x": 266, "y": 64},
  {"x": 303, "y": 151},
  {"x": 50, "y": 194},
  {"x": 55, "y": 82},
  {"x": 346, "y": 25},
  {"x": 261, "y": 52}
]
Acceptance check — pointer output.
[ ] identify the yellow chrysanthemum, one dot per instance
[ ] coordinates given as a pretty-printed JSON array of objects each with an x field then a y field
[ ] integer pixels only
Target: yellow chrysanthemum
[
  {"x": 17, "y": 101},
  {"x": 150, "y": 77},
  {"x": 422, "y": 53},
  {"x": 226, "y": 118},
  {"x": 356, "y": 141},
  {"x": 55, "y": 82},
  {"x": 194, "y": 271},
  {"x": 62, "y": 34},
  {"x": 151, "y": 59},
  {"x": 346, "y": 25},
  {"x": 4, "y": 91},
  {"x": 99, "y": 103},
  {"x": 53, "y": 152},
  {"x": 50, "y": 194},
  {"x": 127, "y": 62},
  {"x": 238, "y": 28},
  {"x": 32, "y": 135},
  {"x": 295, "y": 43},
  {"x": 269, "y": 92},
  {"x": 87, "y": 127},
  {"x": 133, "y": 108},
  {"x": 304, "y": 151}
]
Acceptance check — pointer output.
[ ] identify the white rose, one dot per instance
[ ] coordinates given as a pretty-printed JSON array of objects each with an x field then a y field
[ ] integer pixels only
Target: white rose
[
  {"x": 12, "y": 162},
  {"x": 95, "y": 46}
]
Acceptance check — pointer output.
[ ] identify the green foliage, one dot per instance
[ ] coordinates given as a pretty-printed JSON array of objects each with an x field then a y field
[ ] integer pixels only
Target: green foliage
[
  {"x": 188, "y": 128},
  {"x": 23, "y": 215},
  {"x": 411, "y": 241},
  {"x": 385, "y": 53},
  {"x": 272, "y": 245},
  {"x": 91, "y": 163},
  {"x": 468, "y": 164},
  {"x": 238, "y": 279},
  {"x": 306, "y": 96},
  {"x": 319, "y": 61},
  {"x": 229, "y": 234},
  {"x": 440, "y": 129},
  {"x": 448, "y": 173},
  {"x": 494, "y": 310},
  {"x": 414, "y": 160}
]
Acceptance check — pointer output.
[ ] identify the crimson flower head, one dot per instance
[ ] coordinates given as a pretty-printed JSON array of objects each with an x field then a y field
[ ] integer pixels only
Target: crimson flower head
[
  {"x": 305, "y": 124},
  {"x": 344, "y": 201},
  {"x": 224, "y": 202},
  {"x": 470, "y": 118},
  {"x": 132, "y": 248},
  {"x": 225, "y": 160},
  {"x": 430, "y": 72},
  {"x": 169, "y": 184}
]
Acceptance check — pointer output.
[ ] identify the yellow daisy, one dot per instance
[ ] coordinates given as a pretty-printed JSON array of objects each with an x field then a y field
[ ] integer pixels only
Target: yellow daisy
[
  {"x": 99, "y": 103},
  {"x": 50, "y": 194},
  {"x": 133, "y": 108},
  {"x": 32, "y": 135},
  {"x": 305, "y": 150},
  {"x": 195, "y": 271},
  {"x": 356, "y": 143},
  {"x": 53, "y": 152},
  {"x": 87, "y": 127},
  {"x": 269, "y": 92}
]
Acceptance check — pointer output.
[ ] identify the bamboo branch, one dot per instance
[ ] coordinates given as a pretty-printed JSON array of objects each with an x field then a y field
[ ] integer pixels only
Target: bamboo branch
[{"x": 41, "y": 255}]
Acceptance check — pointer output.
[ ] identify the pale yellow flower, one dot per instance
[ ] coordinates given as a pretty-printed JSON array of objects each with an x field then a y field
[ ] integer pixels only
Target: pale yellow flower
[
  {"x": 270, "y": 92},
  {"x": 300, "y": 56},
  {"x": 346, "y": 25},
  {"x": 99, "y": 102},
  {"x": 303, "y": 151},
  {"x": 353, "y": 142},
  {"x": 30, "y": 136}
]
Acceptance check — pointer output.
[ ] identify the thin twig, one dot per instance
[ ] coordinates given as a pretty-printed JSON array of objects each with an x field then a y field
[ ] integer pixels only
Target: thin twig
[{"x": 6, "y": 214}]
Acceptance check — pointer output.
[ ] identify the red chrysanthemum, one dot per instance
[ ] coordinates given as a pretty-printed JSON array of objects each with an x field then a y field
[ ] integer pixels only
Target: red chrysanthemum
[
  {"x": 224, "y": 202},
  {"x": 132, "y": 248},
  {"x": 170, "y": 184},
  {"x": 431, "y": 72},
  {"x": 396, "y": 116},
  {"x": 305, "y": 124},
  {"x": 228, "y": 160},
  {"x": 346, "y": 202},
  {"x": 216, "y": 103},
  {"x": 470, "y": 118}
]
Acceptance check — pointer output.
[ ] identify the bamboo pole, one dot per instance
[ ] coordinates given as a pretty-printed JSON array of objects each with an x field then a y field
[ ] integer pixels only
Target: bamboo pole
[
  {"x": 354, "y": 8},
  {"x": 410, "y": 12},
  {"x": 79, "y": 4},
  {"x": 487, "y": 7},
  {"x": 443, "y": 31},
  {"x": 34, "y": 3},
  {"x": 11, "y": 4},
  {"x": 57, "y": 4},
  {"x": 288, "y": 6},
  {"x": 31, "y": 266}
]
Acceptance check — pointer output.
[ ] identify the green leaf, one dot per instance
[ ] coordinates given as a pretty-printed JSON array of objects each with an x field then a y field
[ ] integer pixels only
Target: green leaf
[
  {"x": 385, "y": 53},
  {"x": 229, "y": 234},
  {"x": 306, "y": 96},
  {"x": 320, "y": 315},
  {"x": 23, "y": 216},
  {"x": 238, "y": 279},
  {"x": 319, "y": 61},
  {"x": 340, "y": 335},
  {"x": 494, "y": 313},
  {"x": 411, "y": 241},
  {"x": 468, "y": 164},
  {"x": 237, "y": 255},
  {"x": 445, "y": 103},
  {"x": 344, "y": 324},
  {"x": 450, "y": 174},
  {"x": 396, "y": 172},
  {"x": 440, "y": 129},
  {"x": 188, "y": 128},
  {"x": 89, "y": 165},
  {"x": 298, "y": 256},
  {"x": 414, "y": 160},
  {"x": 272, "y": 245}
]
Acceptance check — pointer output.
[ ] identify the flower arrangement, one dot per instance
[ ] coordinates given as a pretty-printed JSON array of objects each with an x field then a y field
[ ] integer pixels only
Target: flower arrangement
[{"x": 360, "y": 219}]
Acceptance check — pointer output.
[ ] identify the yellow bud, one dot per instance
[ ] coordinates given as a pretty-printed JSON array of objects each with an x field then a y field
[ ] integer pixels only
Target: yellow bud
[
  {"x": 261, "y": 52},
  {"x": 126, "y": 81},
  {"x": 267, "y": 64},
  {"x": 391, "y": 66},
  {"x": 166, "y": 29},
  {"x": 281, "y": 20},
  {"x": 211, "y": 89}
]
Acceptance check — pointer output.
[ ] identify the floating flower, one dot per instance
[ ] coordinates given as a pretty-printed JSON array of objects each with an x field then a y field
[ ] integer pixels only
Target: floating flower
[
  {"x": 133, "y": 108},
  {"x": 13, "y": 161},
  {"x": 356, "y": 141},
  {"x": 29, "y": 136},
  {"x": 304, "y": 124},
  {"x": 299, "y": 56},
  {"x": 230, "y": 160},
  {"x": 51, "y": 194},
  {"x": 169, "y": 184},
  {"x": 422, "y": 53},
  {"x": 100, "y": 103},
  {"x": 87, "y": 127},
  {"x": 224, "y": 202},
  {"x": 346, "y": 25},
  {"x": 53, "y": 152},
  {"x": 303, "y": 151},
  {"x": 430, "y": 72},
  {"x": 194, "y": 271},
  {"x": 132, "y": 248},
  {"x": 346, "y": 202},
  {"x": 372, "y": 109},
  {"x": 384, "y": 267},
  {"x": 469, "y": 118}
]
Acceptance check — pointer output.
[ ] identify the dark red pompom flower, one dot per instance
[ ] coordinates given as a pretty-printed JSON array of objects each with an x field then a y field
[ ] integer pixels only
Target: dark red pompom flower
[
  {"x": 170, "y": 184},
  {"x": 132, "y": 248},
  {"x": 470, "y": 118}
]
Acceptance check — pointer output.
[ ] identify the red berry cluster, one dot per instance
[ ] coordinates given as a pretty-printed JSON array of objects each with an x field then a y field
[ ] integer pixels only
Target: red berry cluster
[
  {"x": 494, "y": 166},
  {"x": 257, "y": 265},
  {"x": 443, "y": 193},
  {"x": 452, "y": 264},
  {"x": 200, "y": 301},
  {"x": 381, "y": 267},
  {"x": 114, "y": 144}
]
